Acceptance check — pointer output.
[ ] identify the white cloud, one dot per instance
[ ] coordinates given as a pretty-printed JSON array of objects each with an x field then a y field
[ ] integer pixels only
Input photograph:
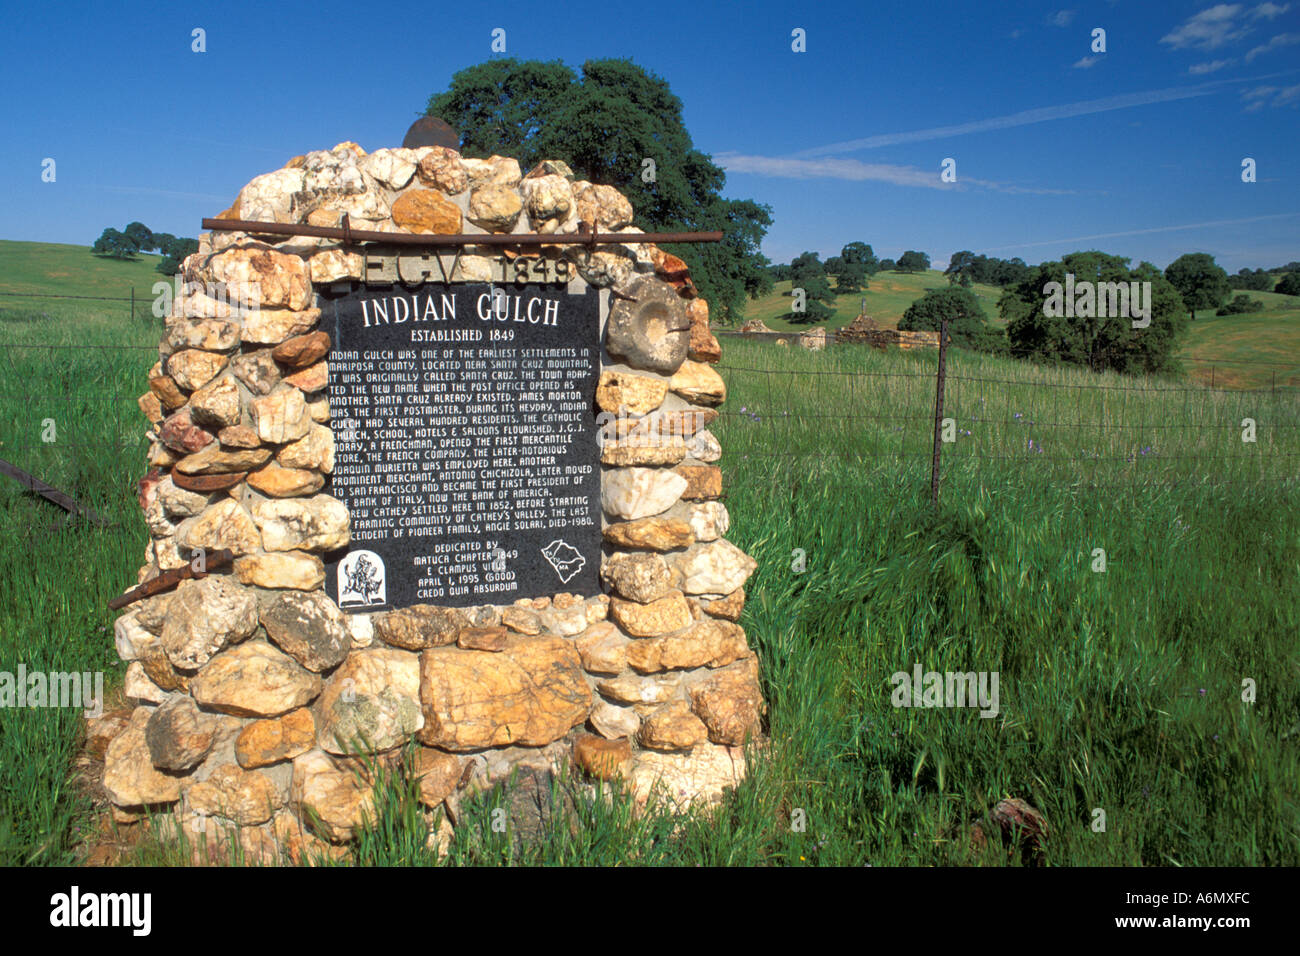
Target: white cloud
[
  {"x": 1061, "y": 18},
  {"x": 1023, "y": 118},
  {"x": 1262, "y": 96},
  {"x": 853, "y": 170},
  {"x": 1281, "y": 40},
  {"x": 1268, "y": 11},
  {"x": 1200, "y": 69},
  {"x": 1209, "y": 29},
  {"x": 1144, "y": 232},
  {"x": 1085, "y": 62}
]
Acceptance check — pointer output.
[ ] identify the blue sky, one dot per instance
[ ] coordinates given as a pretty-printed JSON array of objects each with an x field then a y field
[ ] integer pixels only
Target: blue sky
[{"x": 1136, "y": 151}]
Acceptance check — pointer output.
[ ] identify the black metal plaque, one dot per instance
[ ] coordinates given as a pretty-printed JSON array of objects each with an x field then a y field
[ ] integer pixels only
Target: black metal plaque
[{"x": 465, "y": 444}]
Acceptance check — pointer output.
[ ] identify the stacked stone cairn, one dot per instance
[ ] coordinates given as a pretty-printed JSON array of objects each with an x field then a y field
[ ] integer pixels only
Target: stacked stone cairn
[{"x": 260, "y": 710}]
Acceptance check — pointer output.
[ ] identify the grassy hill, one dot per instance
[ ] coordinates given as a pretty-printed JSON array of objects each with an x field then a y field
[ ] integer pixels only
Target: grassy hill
[
  {"x": 888, "y": 296},
  {"x": 49, "y": 267},
  {"x": 1250, "y": 351}
]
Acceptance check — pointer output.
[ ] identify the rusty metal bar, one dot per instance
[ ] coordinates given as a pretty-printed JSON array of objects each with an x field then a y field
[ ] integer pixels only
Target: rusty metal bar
[
  {"x": 171, "y": 578},
  {"x": 351, "y": 235}
]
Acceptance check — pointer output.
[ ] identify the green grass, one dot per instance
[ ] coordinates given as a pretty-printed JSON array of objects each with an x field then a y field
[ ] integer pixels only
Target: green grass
[
  {"x": 1120, "y": 691},
  {"x": 1255, "y": 350}
]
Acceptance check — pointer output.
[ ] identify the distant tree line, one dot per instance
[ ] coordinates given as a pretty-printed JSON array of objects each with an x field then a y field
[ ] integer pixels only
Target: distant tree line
[
  {"x": 965, "y": 268},
  {"x": 137, "y": 238}
]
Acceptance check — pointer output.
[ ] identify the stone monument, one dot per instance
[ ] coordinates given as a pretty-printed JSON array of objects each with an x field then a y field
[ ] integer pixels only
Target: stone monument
[{"x": 471, "y": 498}]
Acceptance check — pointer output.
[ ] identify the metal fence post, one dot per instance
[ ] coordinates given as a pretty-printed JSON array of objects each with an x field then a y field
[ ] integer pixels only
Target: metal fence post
[{"x": 938, "y": 412}]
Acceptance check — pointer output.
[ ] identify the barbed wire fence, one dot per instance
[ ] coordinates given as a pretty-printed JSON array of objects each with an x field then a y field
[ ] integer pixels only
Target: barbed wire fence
[{"x": 1099, "y": 435}]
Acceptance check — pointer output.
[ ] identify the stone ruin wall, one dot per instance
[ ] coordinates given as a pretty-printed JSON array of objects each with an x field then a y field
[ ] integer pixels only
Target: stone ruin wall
[{"x": 248, "y": 684}]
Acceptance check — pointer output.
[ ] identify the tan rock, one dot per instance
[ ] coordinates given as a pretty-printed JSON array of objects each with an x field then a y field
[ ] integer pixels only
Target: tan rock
[
  {"x": 672, "y": 727},
  {"x": 222, "y": 525},
  {"x": 549, "y": 201},
  {"x": 284, "y": 569},
  {"x": 482, "y": 638},
  {"x": 699, "y": 384},
  {"x": 302, "y": 350},
  {"x": 314, "y": 451},
  {"x": 602, "y": 648},
  {"x": 319, "y": 406},
  {"x": 441, "y": 169},
  {"x": 655, "y": 534},
  {"x": 438, "y": 773},
  {"x": 704, "y": 447},
  {"x": 426, "y": 211},
  {"x": 372, "y": 701},
  {"x": 728, "y": 608},
  {"x": 138, "y": 688},
  {"x": 611, "y": 721},
  {"x": 495, "y": 208},
  {"x": 333, "y": 265},
  {"x": 257, "y": 370},
  {"x": 420, "y": 626},
  {"x": 166, "y": 390},
  {"x": 273, "y": 326},
  {"x": 603, "y": 759},
  {"x": 631, "y": 689},
  {"x": 216, "y": 404},
  {"x": 708, "y": 643},
  {"x": 130, "y": 778},
  {"x": 667, "y": 614},
  {"x": 101, "y": 730},
  {"x": 281, "y": 416},
  {"x": 217, "y": 460},
  {"x": 667, "y": 450},
  {"x": 179, "y": 735},
  {"x": 266, "y": 742},
  {"x": 631, "y": 493},
  {"x": 239, "y": 436},
  {"x": 150, "y": 407},
  {"x": 704, "y": 346},
  {"x": 262, "y": 277},
  {"x": 718, "y": 567},
  {"x": 630, "y": 393},
  {"x": 306, "y": 625},
  {"x": 192, "y": 368},
  {"x": 730, "y": 702},
  {"x": 313, "y": 378},
  {"x": 638, "y": 576},
  {"x": 336, "y": 802},
  {"x": 254, "y": 680},
  {"x": 205, "y": 616},
  {"x": 280, "y": 482},
  {"x": 318, "y": 523},
  {"x": 702, "y": 481},
  {"x": 211, "y": 335},
  {"x": 698, "y": 778},
  {"x": 245, "y": 797},
  {"x": 391, "y": 167},
  {"x": 522, "y": 620},
  {"x": 603, "y": 205},
  {"x": 708, "y": 520},
  {"x": 529, "y": 694},
  {"x": 497, "y": 170}
]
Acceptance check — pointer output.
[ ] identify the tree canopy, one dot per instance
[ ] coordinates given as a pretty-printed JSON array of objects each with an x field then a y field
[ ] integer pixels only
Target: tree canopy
[
  {"x": 913, "y": 261},
  {"x": 1201, "y": 283},
  {"x": 808, "y": 273},
  {"x": 968, "y": 326},
  {"x": 1099, "y": 343},
  {"x": 606, "y": 124}
]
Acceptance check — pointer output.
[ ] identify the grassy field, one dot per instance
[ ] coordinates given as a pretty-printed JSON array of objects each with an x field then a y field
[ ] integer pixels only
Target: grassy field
[
  {"x": 888, "y": 295},
  {"x": 1119, "y": 691}
]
